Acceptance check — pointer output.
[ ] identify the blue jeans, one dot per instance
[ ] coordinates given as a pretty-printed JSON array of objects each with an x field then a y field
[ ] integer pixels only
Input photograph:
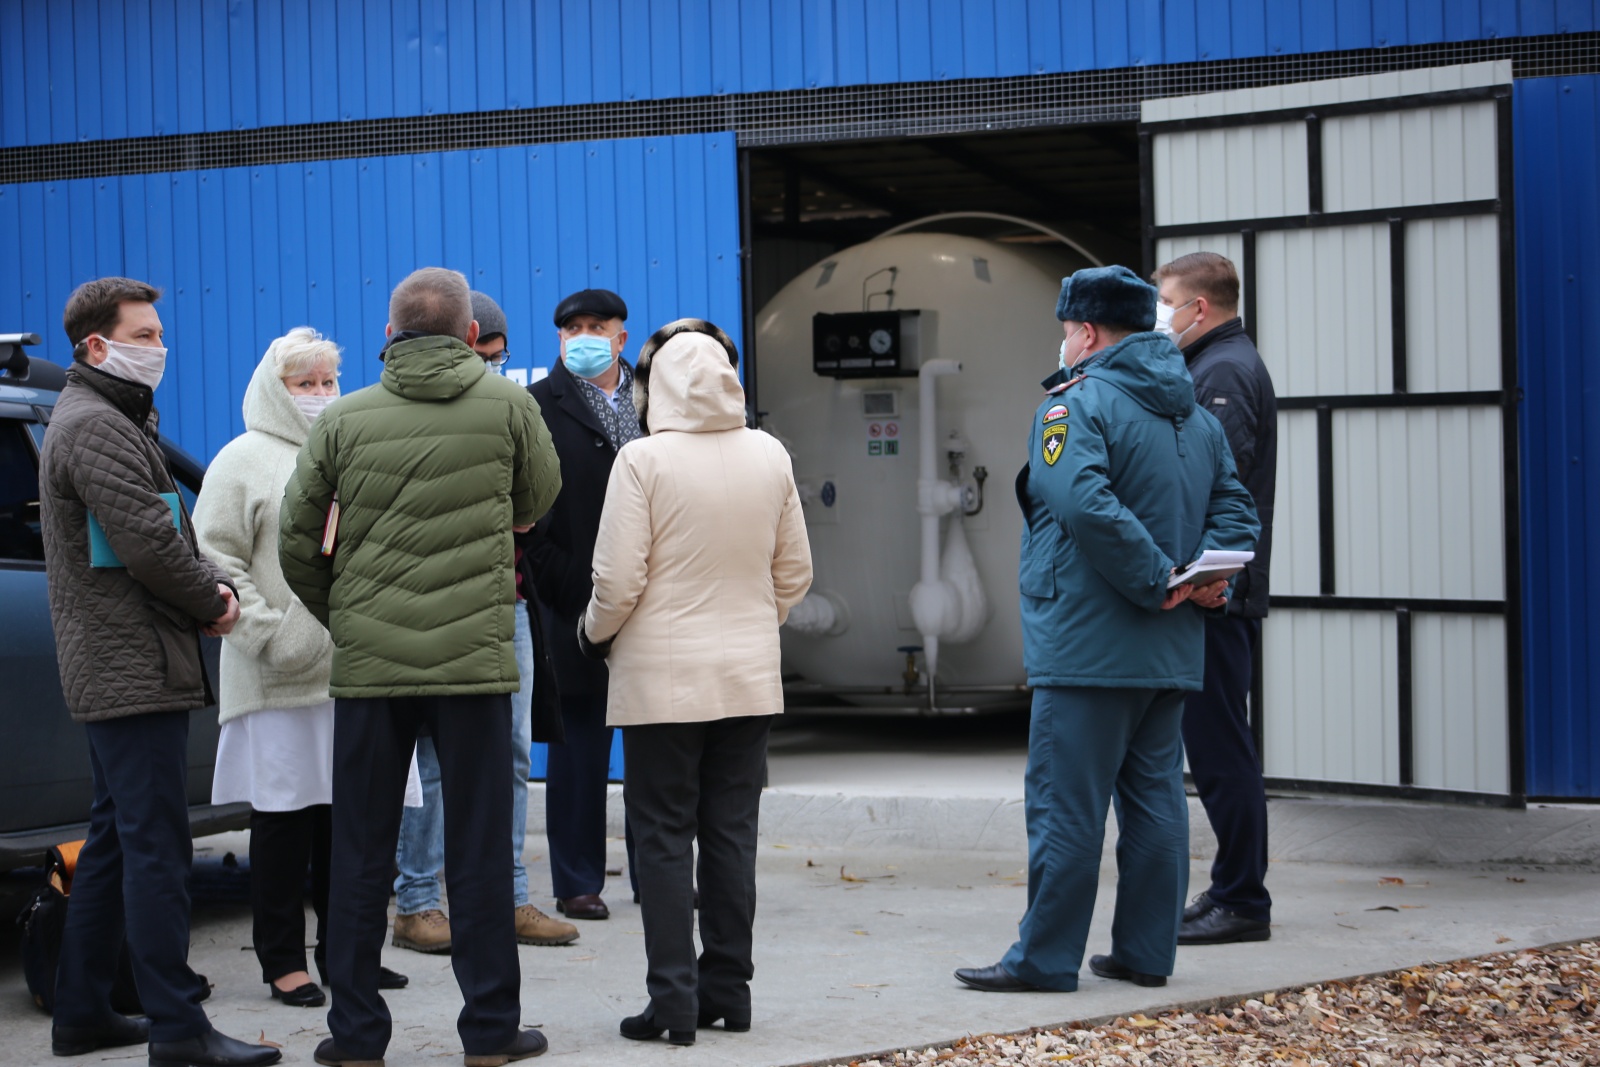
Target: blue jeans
[{"x": 421, "y": 853}]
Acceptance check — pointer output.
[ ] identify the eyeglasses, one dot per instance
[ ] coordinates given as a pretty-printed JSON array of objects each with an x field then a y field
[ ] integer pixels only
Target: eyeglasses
[{"x": 499, "y": 358}]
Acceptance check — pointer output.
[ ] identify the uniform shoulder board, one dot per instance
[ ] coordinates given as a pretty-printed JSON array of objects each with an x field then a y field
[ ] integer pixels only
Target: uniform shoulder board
[{"x": 1068, "y": 384}]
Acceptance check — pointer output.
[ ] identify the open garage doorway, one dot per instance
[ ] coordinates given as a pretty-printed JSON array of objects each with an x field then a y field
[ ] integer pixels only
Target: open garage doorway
[{"x": 806, "y": 201}]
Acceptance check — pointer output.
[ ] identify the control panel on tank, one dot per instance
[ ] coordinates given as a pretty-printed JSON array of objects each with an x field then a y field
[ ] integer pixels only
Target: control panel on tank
[{"x": 865, "y": 344}]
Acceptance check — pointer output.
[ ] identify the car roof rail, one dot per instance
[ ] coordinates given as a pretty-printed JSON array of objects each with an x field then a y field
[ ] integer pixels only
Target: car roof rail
[{"x": 14, "y": 362}]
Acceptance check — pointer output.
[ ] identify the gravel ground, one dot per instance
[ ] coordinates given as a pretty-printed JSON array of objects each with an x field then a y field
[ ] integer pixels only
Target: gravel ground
[{"x": 1535, "y": 1008}]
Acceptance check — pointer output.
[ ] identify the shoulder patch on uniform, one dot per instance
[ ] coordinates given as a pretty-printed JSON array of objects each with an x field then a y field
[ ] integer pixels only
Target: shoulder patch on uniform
[
  {"x": 1055, "y": 440},
  {"x": 1057, "y": 411}
]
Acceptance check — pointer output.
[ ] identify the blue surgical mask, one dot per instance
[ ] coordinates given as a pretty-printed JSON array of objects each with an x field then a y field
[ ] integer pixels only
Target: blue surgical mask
[{"x": 588, "y": 356}]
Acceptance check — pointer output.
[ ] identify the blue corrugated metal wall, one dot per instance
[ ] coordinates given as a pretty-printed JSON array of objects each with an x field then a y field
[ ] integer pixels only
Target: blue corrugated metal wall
[
  {"x": 1557, "y": 130},
  {"x": 249, "y": 252},
  {"x": 93, "y": 69}
]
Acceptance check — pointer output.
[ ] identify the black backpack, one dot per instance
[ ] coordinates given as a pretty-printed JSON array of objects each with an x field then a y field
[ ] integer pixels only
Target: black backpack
[{"x": 44, "y": 920}]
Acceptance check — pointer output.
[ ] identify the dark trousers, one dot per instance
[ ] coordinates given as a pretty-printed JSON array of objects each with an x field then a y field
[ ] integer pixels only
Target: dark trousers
[
  {"x": 575, "y": 798},
  {"x": 282, "y": 844},
  {"x": 689, "y": 781},
  {"x": 372, "y": 742},
  {"x": 132, "y": 880},
  {"x": 1087, "y": 749},
  {"x": 1227, "y": 769}
]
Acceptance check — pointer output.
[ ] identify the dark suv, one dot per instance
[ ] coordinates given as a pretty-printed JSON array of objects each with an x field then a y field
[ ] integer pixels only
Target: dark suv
[{"x": 45, "y": 789}]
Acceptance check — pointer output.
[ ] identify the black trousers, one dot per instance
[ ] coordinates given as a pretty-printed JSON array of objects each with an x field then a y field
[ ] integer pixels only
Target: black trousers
[
  {"x": 1227, "y": 769},
  {"x": 687, "y": 782},
  {"x": 132, "y": 878},
  {"x": 282, "y": 844},
  {"x": 372, "y": 742},
  {"x": 575, "y": 798}
]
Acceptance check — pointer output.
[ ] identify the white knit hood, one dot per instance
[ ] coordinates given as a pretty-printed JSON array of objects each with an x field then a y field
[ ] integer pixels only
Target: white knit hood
[{"x": 268, "y": 407}]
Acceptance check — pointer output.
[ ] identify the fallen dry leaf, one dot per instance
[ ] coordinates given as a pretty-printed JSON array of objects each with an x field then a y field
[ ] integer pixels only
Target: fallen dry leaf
[{"x": 1391, "y": 881}]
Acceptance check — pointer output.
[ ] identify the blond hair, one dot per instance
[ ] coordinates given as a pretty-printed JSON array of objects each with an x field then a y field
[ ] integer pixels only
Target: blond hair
[{"x": 303, "y": 349}]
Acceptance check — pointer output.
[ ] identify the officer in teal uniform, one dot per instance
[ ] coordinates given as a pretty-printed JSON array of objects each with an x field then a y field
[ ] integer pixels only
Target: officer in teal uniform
[{"x": 1127, "y": 480}]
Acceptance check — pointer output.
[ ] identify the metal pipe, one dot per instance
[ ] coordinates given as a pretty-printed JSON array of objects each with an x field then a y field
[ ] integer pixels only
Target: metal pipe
[{"x": 932, "y": 499}]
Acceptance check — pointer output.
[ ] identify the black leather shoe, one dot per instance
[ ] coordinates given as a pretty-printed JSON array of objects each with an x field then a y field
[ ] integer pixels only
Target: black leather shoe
[
  {"x": 1107, "y": 967},
  {"x": 329, "y": 1055},
  {"x": 735, "y": 1023},
  {"x": 1219, "y": 926},
  {"x": 994, "y": 979},
  {"x": 115, "y": 1032},
  {"x": 588, "y": 906},
  {"x": 643, "y": 1027},
  {"x": 212, "y": 1049},
  {"x": 1197, "y": 907},
  {"x": 528, "y": 1044},
  {"x": 388, "y": 979},
  {"x": 309, "y": 995}
]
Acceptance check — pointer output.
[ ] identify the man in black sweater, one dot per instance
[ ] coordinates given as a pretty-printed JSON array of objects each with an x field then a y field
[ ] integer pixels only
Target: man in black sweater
[{"x": 1199, "y": 309}]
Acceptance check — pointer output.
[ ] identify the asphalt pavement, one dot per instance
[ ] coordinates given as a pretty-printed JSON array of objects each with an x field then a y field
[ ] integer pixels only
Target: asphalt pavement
[{"x": 879, "y": 874}]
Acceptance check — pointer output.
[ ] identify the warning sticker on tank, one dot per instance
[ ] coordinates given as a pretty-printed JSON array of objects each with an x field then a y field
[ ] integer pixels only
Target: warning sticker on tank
[
  {"x": 1055, "y": 439},
  {"x": 1059, "y": 411}
]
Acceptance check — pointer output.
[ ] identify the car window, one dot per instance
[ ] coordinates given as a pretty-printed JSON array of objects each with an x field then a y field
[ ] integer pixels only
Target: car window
[{"x": 19, "y": 495}]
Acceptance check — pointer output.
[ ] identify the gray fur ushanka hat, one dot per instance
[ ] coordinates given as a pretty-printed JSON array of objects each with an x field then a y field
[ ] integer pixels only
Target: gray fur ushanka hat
[{"x": 1112, "y": 296}]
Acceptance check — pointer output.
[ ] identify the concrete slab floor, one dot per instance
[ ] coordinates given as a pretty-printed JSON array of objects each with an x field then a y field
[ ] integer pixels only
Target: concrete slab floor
[{"x": 847, "y": 966}]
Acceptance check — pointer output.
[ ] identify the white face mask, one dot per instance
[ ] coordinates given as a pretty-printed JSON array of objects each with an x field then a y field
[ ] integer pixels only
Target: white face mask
[
  {"x": 1164, "y": 316},
  {"x": 311, "y": 405},
  {"x": 134, "y": 363},
  {"x": 1062, "y": 358}
]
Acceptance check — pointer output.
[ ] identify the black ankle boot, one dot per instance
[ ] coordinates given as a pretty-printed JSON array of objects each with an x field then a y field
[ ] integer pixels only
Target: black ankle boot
[{"x": 643, "y": 1027}]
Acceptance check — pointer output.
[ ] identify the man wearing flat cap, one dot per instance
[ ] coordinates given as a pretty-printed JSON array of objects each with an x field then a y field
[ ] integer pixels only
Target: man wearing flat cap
[
  {"x": 1127, "y": 481},
  {"x": 587, "y": 401}
]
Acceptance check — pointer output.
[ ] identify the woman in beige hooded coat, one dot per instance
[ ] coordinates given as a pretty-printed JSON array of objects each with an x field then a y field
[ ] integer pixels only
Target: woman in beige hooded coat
[{"x": 701, "y": 553}]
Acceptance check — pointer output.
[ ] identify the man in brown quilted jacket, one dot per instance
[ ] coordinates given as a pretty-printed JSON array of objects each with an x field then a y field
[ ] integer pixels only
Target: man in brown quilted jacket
[{"x": 129, "y": 600}]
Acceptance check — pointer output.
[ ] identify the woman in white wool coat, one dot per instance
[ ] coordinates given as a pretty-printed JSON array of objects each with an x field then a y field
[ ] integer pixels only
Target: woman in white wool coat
[
  {"x": 701, "y": 553},
  {"x": 275, "y": 751}
]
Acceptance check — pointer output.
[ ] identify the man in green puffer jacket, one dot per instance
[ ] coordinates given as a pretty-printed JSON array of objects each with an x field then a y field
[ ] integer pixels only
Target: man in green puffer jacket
[{"x": 396, "y": 532}]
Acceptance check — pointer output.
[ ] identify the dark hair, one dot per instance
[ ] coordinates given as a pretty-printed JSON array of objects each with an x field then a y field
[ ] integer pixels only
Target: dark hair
[
  {"x": 433, "y": 300},
  {"x": 96, "y": 307},
  {"x": 1205, "y": 274}
]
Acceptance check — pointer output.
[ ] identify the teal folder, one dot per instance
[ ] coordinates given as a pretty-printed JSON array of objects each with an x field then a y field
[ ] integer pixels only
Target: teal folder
[{"x": 100, "y": 554}]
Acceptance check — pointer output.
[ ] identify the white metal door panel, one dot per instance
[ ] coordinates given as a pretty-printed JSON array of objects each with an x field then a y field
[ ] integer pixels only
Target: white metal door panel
[
  {"x": 1369, "y": 218},
  {"x": 1453, "y": 304},
  {"x": 1242, "y": 174},
  {"x": 1418, "y": 499},
  {"x": 1295, "y": 563},
  {"x": 1459, "y": 686},
  {"x": 1322, "y": 299},
  {"x": 1343, "y": 666},
  {"x": 1435, "y": 155}
]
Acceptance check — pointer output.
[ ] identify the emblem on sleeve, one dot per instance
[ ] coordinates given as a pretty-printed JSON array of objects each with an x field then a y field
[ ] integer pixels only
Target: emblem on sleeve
[
  {"x": 1057, "y": 411},
  {"x": 1055, "y": 439}
]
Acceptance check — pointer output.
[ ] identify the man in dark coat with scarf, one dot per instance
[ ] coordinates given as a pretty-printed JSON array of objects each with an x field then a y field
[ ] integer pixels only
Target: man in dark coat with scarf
[
  {"x": 1199, "y": 309},
  {"x": 587, "y": 401}
]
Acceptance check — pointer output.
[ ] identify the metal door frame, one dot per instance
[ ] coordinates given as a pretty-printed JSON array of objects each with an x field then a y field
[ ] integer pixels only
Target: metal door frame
[{"x": 1506, "y": 398}]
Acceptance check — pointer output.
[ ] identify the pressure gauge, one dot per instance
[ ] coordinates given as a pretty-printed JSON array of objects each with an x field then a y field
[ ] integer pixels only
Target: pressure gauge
[{"x": 880, "y": 342}]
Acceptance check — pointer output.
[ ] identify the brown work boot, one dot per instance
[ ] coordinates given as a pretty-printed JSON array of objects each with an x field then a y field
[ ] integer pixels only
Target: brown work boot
[
  {"x": 534, "y": 927},
  {"x": 426, "y": 931}
]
